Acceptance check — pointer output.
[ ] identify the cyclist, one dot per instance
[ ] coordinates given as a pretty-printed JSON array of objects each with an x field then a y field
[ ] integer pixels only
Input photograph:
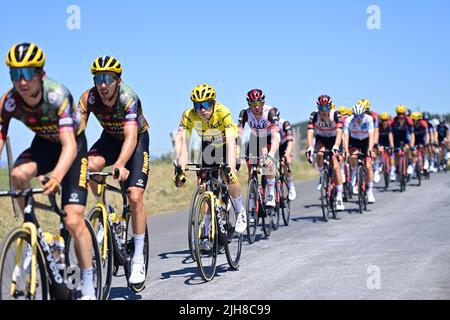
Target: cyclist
[
  {"x": 263, "y": 121},
  {"x": 59, "y": 145},
  {"x": 403, "y": 131},
  {"x": 422, "y": 139},
  {"x": 432, "y": 132},
  {"x": 344, "y": 112},
  {"x": 286, "y": 154},
  {"x": 376, "y": 163},
  {"x": 443, "y": 140},
  {"x": 123, "y": 144},
  {"x": 386, "y": 140},
  {"x": 326, "y": 125},
  {"x": 359, "y": 137},
  {"x": 213, "y": 122}
]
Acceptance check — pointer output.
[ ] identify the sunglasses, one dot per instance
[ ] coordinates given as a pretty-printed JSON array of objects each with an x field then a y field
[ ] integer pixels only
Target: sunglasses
[
  {"x": 258, "y": 103},
  {"x": 359, "y": 116},
  {"x": 327, "y": 108},
  {"x": 203, "y": 105},
  {"x": 26, "y": 73},
  {"x": 106, "y": 78}
]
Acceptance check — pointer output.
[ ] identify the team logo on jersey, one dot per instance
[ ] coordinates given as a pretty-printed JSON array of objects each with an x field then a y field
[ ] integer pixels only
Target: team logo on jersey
[
  {"x": 55, "y": 97},
  {"x": 31, "y": 120},
  {"x": 10, "y": 104},
  {"x": 91, "y": 99}
]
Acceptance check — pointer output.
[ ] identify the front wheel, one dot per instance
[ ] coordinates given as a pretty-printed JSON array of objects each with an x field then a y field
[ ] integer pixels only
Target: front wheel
[
  {"x": 16, "y": 275},
  {"x": 252, "y": 210},
  {"x": 324, "y": 195},
  {"x": 234, "y": 246},
  {"x": 285, "y": 203},
  {"x": 191, "y": 237},
  {"x": 276, "y": 213}
]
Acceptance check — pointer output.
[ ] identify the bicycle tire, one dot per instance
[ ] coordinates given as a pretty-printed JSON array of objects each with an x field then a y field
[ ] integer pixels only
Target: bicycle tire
[
  {"x": 96, "y": 260},
  {"x": 286, "y": 203},
  {"x": 418, "y": 171},
  {"x": 233, "y": 248},
  {"x": 253, "y": 214},
  {"x": 11, "y": 241},
  {"x": 276, "y": 213},
  {"x": 129, "y": 247},
  {"x": 206, "y": 272},
  {"x": 95, "y": 217},
  {"x": 324, "y": 195},
  {"x": 191, "y": 238},
  {"x": 386, "y": 176},
  {"x": 360, "y": 189}
]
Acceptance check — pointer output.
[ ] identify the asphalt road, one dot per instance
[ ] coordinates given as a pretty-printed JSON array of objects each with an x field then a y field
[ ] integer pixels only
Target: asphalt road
[{"x": 399, "y": 249}]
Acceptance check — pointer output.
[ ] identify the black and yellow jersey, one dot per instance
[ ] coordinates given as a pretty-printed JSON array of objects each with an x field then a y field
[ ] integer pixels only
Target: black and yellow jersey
[{"x": 214, "y": 132}]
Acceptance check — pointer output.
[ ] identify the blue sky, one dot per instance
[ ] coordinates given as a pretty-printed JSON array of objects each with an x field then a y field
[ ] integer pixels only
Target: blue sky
[{"x": 293, "y": 50}]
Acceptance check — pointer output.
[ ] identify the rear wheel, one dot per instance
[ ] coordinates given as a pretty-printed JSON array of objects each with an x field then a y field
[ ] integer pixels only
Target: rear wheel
[
  {"x": 234, "y": 247},
  {"x": 285, "y": 202},
  {"x": 386, "y": 175},
  {"x": 252, "y": 210},
  {"x": 129, "y": 247},
  {"x": 360, "y": 177},
  {"x": 15, "y": 269},
  {"x": 72, "y": 261}
]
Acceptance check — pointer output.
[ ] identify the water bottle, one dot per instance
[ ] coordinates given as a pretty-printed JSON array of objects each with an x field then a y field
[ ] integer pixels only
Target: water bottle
[{"x": 59, "y": 252}]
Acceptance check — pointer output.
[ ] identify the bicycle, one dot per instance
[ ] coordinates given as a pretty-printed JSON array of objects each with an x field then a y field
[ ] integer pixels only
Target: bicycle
[
  {"x": 117, "y": 248},
  {"x": 419, "y": 165},
  {"x": 284, "y": 202},
  {"x": 213, "y": 211},
  {"x": 255, "y": 205},
  {"x": 327, "y": 186},
  {"x": 347, "y": 194},
  {"x": 401, "y": 167},
  {"x": 30, "y": 268}
]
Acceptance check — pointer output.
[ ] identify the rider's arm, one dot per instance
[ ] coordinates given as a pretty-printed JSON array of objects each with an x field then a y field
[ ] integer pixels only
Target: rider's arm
[
  {"x": 241, "y": 124},
  {"x": 231, "y": 132},
  {"x": 371, "y": 134},
  {"x": 412, "y": 140},
  {"x": 83, "y": 109},
  {"x": 182, "y": 140},
  {"x": 289, "y": 136},
  {"x": 310, "y": 133},
  {"x": 273, "y": 118},
  {"x": 346, "y": 135},
  {"x": 4, "y": 122},
  {"x": 338, "y": 121},
  {"x": 391, "y": 139}
]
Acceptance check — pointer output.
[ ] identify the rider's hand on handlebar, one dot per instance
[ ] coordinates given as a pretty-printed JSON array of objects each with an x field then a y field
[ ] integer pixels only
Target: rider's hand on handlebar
[
  {"x": 52, "y": 186},
  {"x": 270, "y": 160},
  {"x": 335, "y": 150},
  {"x": 123, "y": 173}
]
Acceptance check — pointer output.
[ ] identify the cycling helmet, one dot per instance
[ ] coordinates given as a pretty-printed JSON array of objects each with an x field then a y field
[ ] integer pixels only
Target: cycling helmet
[
  {"x": 401, "y": 109},
  {"x": 324, "y": 101},
  {"x": 426, "y": 116},
  {"x": 416, "y": 116},
  {"x": 359, "y": 110},
  {"x": 255, "y": 95},
  {"x": 106, "y": 63},
  {"x": 385, "y": 116},
  {"x": 202, "y": 93},
  {"x": 25, "y": 55},
  {"x": 365, "y": 103},
  {"x": 343, "y": 110}
]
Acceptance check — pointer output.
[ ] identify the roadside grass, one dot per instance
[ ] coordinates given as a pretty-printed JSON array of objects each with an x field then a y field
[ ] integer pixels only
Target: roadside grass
[{"x": 160, "y": 197}]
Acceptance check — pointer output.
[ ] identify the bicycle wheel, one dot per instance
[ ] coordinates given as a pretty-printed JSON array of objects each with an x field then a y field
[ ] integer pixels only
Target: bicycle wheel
[
  {"x": 129, "y": 247},
  {"x": 72, "y": 262},
  {"x": 403, "y": 179},
  {"x": 386, "y": 176},
  {"x": 418, "y": 171},
  {"x": 252, "y": 206},
  {"x": 324, "y": 195},
  {"x": 206, "y": 237},
  {"x": 15, "y": 269},
  {"x": 285, "y": 202},
  {"x": 234, "y": 247},
  {"x": 191, "y": 237},
  {"x": 360, "y": 177},
  {"x": 104, "y": 238},
  {"x": 276, "y": 211},
  {"x": 267, "y": 218}
]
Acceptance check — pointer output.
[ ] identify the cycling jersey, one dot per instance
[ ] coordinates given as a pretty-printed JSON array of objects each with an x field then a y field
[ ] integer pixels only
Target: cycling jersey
[
  {"x": 56, "y": 112},
  {"x": 359, "y": 130},
  {"x": 420, "y": 133},
  {"x": 263, "y": 127},
  {"x": 442, "y": 130},
  {"x": 375, "y": 118},
  {"x": 402, "y": 133},
  {"x": 325, "y": 127},
  {"x": 215, "y": 131},
  {"x": 384, "y": 135},
  {"x": 127, "y": 111}
]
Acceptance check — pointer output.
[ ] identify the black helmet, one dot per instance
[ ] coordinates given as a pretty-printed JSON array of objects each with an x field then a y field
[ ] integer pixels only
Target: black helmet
[{"x": 426, "y": 116}]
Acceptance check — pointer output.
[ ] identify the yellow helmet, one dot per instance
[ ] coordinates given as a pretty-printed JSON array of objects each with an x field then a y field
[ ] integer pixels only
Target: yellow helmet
[
  {"x": 203, "y": 93},
  {"x": 385, "y": 116},
  {"x": 365, "y": 103},
  {"x": 25, "y": 55},
  {"x": 333, "y": 106},
  {"x": 106, "y": 63},
  {"x": 401, "y": 108},
  {"x": 343, "y": 111},
  {"x": 417, "y": 116}
]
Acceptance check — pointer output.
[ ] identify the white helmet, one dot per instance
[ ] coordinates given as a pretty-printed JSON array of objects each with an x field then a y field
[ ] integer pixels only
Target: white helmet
[
  {"x": 435, "y": 122},
  {"x": 359, "y": 109}
]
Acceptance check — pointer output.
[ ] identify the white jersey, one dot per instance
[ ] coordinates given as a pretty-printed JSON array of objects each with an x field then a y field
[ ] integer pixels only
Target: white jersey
[
  {"x": 359, "y": 131},
  {"x": 263, "y": 127}
]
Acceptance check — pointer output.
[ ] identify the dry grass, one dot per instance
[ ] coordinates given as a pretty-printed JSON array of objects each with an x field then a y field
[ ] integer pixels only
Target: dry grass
[{"x": 161, "y": 195}]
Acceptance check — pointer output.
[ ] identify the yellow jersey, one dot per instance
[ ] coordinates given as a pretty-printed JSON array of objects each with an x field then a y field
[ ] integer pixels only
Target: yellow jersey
[{"x": 214, "y": 132}]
